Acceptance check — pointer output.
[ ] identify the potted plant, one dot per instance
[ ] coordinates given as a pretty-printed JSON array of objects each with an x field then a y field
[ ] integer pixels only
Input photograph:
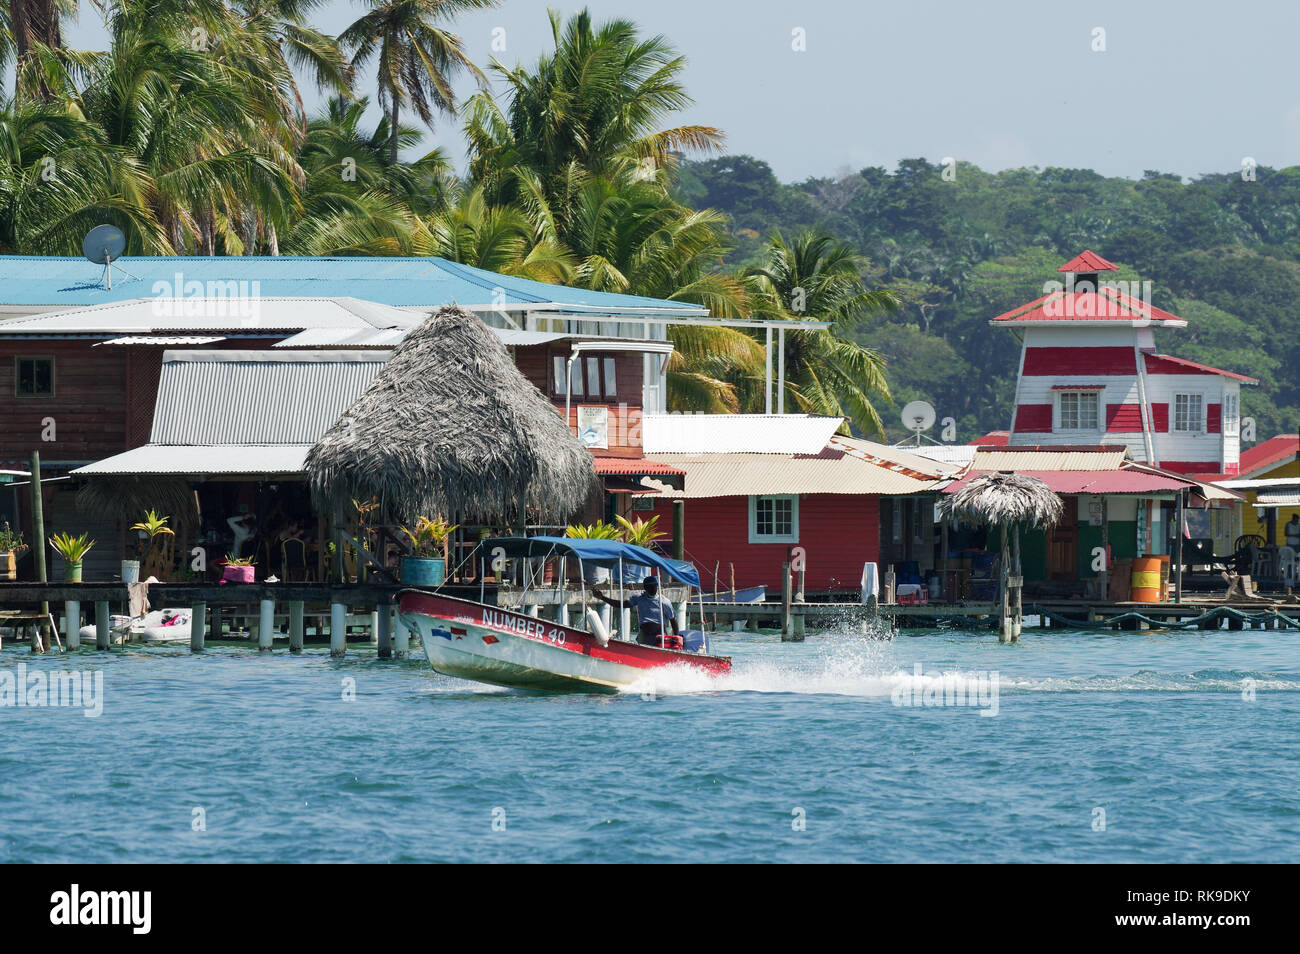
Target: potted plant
[
  {"x": 73, "y": 550},
  {"x": 426, "y": 565},
  {"x": 155, "y": 536},
  {"x": 640, "y": 533},
  {"x": 237, "y": 569},
  {"x": 11, "y": 548},
  {"x": 600, "y": 530}
]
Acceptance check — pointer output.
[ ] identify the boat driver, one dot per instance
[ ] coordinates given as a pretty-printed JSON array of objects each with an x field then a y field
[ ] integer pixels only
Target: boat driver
[{"x": 653, "y": 610}]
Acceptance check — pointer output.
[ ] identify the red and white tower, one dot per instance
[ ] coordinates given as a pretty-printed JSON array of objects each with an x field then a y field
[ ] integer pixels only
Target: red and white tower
[{"x": 1090, "y": 374}]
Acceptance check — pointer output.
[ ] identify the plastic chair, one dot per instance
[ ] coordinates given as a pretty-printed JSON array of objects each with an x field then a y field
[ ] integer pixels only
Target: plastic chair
[
  {"x": 293, "y": 559},
  {"x": 1286, "y": 565}
]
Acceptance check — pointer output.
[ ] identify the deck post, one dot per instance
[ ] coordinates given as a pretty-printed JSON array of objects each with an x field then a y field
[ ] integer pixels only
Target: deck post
[
  {"x": 295, "y": 626},
  {"x": 788, "y": 634},
  {"x": 1018, "y": 607},
  {"x": 102, "y": 634},
  {"x": 338, "y": 629},
  {"x": 265, "y": 625},
  {"x": 1178, "y": 546},
  {"x": 198, "y": 624},
  {"x": 1103, "y": 577},
  {"x": 384, "y": 631},
  {"x": 1005, "y": 628},
  {"x": 679, "y": 529},
  {"x": 214, "y": 623},
  {"x": 38, "y": 529},
  {"x": 403, "y": 636},
  {"x": 72, "y": 623}
]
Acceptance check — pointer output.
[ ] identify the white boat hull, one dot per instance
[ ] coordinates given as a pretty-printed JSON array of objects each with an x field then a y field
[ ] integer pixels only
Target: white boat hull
[{"x": 487, "y": 644}]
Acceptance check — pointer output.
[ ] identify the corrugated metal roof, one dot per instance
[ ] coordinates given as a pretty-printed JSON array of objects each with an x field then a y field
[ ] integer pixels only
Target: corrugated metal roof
[
  {"x": 257, "y": 397},
  {"x": 947, "y": 453},
  {"x": 1276, "y": 499},
  {"x": 626, "y": 466},
  {"x": 1091, "y": 481},
  {"x": 1048, "y": 458},
  {"x": 831, "y": 472},
  {"x": 246, "y": 314},
  {"x": 163, "y": 340},
  {"x": 45, "y": 281},
  {"x": 206, "y": 459},
  {"x": 1265, "y": 456},
  {"x": 1155, "y": 364},
  {"x": 737, "y": 433},
  {"x": 344, "y": 338},
  {"x": 1104, "y": 304}
]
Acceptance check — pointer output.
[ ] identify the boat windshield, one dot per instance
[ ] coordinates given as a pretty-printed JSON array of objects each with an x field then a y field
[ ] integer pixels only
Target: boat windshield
[{"x": 597, "y": 552}]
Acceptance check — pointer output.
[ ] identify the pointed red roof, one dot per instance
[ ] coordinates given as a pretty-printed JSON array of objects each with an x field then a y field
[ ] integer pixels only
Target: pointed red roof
[
  {"x": 1088, "y": 261},
  {"x": 1105, "y": 304}
]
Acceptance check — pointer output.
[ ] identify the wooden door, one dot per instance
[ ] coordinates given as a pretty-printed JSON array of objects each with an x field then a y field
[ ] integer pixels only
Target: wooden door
[{"x": 1063, "y": 546}]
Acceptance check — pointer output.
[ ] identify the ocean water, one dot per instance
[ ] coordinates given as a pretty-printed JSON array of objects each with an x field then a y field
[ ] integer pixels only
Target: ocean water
[{"x": 1150, "y": 747}]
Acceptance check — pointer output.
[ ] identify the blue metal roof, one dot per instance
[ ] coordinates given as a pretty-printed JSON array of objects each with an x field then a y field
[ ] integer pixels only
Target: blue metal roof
[{"x": 69, "y": 282}]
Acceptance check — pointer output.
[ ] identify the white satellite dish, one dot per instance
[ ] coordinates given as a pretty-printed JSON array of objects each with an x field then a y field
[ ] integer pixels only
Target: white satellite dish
[
  {"x": 101, "y": 245},
  {"x": 918, "y": 416}
]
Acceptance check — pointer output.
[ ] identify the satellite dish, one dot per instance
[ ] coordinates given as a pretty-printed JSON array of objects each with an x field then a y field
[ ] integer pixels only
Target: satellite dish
[
  {"x": 103, "y": 243},
  {"x": 918, "y": 416}
]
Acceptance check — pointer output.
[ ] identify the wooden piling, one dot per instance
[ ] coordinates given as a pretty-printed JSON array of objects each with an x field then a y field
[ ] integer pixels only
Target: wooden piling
[
  {"x": 265, "y": 625},
  {"x": 295, "y": 626},
  {"x": 214, "y": 623},
  {"x": 198, "y": 626},
  {"x": 102, "y": 634},
  {"x": 384, "y": 631},
  {"x": 338, "y": 629},
  {"x": 72, "y": 623},
  {"x": 788, "y": 634}
]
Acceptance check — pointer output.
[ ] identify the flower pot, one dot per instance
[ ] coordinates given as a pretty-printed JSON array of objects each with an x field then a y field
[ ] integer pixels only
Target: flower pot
[
  {"x": 595, "y": 574},
  {"x": 72, "y": 571},
  {"x": 8, "y": 566},
  {"x": 130, "y": 571},
  {"x": 423, "y": 571},
  {"x": 238, "y": 574},
  {"x": 635, "y": 574}
]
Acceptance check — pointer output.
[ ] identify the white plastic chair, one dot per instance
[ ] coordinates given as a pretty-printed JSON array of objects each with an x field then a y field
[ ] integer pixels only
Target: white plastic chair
[{"x": 1286, "y": 565}]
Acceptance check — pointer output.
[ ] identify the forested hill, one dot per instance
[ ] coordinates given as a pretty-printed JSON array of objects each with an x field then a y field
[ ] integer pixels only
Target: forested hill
[{"x": 1223, "y": 252}]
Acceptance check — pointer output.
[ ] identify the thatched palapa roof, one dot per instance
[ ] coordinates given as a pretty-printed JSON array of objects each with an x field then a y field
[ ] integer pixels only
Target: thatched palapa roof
[
  {"x": 1003, "y": 499},
  {"x": 450, "y": 427}
]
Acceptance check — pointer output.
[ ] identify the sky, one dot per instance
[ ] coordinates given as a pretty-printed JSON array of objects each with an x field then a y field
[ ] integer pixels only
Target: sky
[{"x": 1188, "y": 87}]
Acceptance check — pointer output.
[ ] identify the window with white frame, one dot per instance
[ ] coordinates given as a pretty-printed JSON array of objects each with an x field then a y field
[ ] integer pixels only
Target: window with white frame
[
  {"x": 774, "y": 519},
  {"x": 1189, "y": 413},
  {"x": 1079, "y": 410},
  {"x": 590, "y": 376},
  {"x": 1231, "y": 414}
]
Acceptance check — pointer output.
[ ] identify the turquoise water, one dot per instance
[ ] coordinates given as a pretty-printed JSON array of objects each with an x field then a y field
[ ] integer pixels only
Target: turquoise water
[{"x": 800, "y": 755}]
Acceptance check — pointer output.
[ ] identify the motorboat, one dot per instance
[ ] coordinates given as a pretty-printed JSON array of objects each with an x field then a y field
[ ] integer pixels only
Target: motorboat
[{"x": 513, "y": 645}]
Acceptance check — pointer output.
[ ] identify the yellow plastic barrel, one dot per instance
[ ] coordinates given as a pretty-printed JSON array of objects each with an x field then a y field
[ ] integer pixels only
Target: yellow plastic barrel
[{"x": 1146, "y": 580}]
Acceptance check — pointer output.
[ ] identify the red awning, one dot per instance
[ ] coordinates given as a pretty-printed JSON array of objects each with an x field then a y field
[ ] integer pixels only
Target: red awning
[{"x": 1086, "y": 482}]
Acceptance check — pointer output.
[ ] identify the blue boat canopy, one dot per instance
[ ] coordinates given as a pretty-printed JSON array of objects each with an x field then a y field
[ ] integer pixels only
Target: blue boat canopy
[{"x": 597, "y": 552}]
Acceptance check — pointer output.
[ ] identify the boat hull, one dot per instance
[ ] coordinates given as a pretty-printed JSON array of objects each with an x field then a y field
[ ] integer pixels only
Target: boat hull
[{"x": 488, "y": 644}]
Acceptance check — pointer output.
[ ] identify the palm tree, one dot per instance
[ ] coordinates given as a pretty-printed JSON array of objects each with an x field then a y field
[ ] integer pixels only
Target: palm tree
[
  {"x": 496, "y": 238},
  {"x": 416, "y": 57},
  {"x": 817, "y": 278},
  {"x": 593, "y": 109}
]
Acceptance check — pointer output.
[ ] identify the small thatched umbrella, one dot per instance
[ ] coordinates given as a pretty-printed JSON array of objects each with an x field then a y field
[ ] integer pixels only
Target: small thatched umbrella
[
  {"x": 1009, "y": 501},
  {"x": 451, "y": 428}
]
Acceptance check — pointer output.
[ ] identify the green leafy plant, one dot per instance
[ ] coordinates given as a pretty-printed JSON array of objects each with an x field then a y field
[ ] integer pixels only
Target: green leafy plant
[
  {"x": 72, "y": 549},
  {"x": 640, "y": 532},
  {"x": 429, "y": 536},
  {"x": 600, "y": 530},
  {"x": 11, "y": 541},
  {"x": 154, "y": 525}
]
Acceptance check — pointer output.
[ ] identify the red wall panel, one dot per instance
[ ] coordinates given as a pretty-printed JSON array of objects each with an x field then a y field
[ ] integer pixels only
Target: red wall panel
[
  {"x": 1049, "y": 361},
  {"x": 1160, "y": 418},
  {"x": 839, "y": 532},
  {"x": 1213, "y": 418},
  {"x": 1034, "y": 419},
  {"x": 1123, "y": 418}
]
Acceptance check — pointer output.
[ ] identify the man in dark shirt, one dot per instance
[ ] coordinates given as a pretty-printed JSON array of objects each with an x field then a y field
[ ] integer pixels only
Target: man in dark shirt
[{"x": 652, "y": 611}]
